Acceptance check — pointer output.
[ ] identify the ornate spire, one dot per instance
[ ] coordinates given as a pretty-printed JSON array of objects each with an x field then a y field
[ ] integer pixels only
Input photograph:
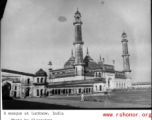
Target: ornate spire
[
  {"x": 103, "y": 60},
  {"x": 100, "y": 57},
  {"x": 87, "y": 52},
  {"x": 113, "y": 61},
  {"x": 124, "y": 35},
  {"x": 77, "y": 12},
  {"x": 50, "y": 63},
  {"x": 72, "y": 52},
  {"x": 77, "y": 17}
]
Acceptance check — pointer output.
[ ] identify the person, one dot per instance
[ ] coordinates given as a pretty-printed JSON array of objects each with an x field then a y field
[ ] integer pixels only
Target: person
[{"x": 82, "y": 97}]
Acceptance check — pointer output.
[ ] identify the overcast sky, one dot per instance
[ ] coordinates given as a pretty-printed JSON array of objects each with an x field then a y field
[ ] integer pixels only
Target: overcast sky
[{"x": 35, "y": 32}]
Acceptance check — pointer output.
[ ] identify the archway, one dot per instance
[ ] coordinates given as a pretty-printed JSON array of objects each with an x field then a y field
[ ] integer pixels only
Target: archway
[
  {"x": 27, "y": 91},
  {"x": 100, "y": 87},
  {"x": 41, "y": 92},
  {"x": 109, "y": 83},
  {"x": 6, "y": 88},
  {"x": 15, "y": 94},
  {"x": 64, "y": 91},
  {"x": 99, "y": 74},
  {"x": 37, "y": 92},
  {"x": 86, "y": 90}
]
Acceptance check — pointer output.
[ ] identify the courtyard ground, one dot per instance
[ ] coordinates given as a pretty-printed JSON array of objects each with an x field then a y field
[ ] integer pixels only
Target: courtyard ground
[{"x": 119, "y": 99}]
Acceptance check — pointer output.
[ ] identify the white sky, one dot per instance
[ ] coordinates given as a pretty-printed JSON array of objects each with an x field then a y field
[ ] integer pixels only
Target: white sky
[{"x": 32, "y": 35}]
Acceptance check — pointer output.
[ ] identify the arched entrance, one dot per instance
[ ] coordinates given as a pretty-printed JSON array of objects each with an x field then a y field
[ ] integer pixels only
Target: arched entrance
[
  {"x": 27, "y": 91},
  {"x": 6, "y": 88}
]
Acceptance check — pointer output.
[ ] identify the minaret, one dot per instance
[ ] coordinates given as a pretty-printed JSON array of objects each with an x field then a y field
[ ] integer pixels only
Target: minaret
[
  {"x": 79, "y": 65},
  {"x": 126, "y": 63}
]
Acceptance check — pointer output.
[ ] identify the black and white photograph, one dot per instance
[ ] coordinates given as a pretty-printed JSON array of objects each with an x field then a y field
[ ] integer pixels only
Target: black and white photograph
[{"x": 76, "y": 54}]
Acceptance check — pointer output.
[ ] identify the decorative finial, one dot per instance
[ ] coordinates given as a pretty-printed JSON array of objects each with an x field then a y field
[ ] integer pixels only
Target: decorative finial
[
  {"x": 72, "y": 52},
  {"x": 77, "y": 8},
  {"x": 87, "y": 51},
  {"x": 124, "y": 35},
  {"x": 113, "y": 61},
  {"x": 100, "y": 57},
  {"x": 103, "y": 60},
  {"x": 50, "y": 63}
]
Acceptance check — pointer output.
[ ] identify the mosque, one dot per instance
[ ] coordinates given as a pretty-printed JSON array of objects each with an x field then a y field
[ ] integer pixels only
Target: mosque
[
  {"x": 79, "y": 74},
  {"x": 84, "y": 75}
]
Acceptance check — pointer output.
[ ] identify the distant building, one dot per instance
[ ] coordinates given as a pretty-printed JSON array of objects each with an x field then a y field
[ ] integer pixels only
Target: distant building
[
  {"x": 141, "y": 85},
  {"x": 79, "y": 75}
]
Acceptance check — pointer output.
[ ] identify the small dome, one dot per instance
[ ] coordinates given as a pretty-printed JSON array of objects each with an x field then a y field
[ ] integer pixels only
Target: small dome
[
  {"x": 89, "y": 62},
  {"x": 70, "y": 62},
  {"x": 100, "y": 63},
  {"x": 41, "y": 73}
]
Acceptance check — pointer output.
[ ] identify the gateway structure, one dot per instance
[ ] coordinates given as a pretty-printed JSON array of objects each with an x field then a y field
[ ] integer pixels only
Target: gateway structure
[
  {"x": 83, "y": 75},
  {"x": 20, "y": 84}
]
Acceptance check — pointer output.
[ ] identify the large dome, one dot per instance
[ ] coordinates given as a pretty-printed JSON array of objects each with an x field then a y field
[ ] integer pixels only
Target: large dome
[{"x": 70, "y": 62}]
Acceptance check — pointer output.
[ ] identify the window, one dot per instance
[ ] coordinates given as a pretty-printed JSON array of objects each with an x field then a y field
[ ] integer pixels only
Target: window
[
  {"x": 41, "y": 80},
  {"x": 79, "y": 90},
  {"x": 76, "y": 71},
  {"x": 41, "y": 92},
  {"x": 99, "y": 74},
  {"x": 28, "y": 81},
  {"x": 96, "y": 88},
  {"x": 37, "y": 80},
  {"x": 89, "y": 90},
  {"x": 100, "y": 87},
  {"x": 15, "y": 87},
  {"x": 37, "y": 92}
]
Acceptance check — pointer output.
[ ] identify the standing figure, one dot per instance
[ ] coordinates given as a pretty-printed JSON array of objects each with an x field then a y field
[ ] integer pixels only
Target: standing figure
[{"x": 82, "y": 97}]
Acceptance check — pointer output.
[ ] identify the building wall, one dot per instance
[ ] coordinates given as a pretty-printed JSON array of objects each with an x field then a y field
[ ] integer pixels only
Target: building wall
[
  {"x": 110, "y": 77},
  {"x": 39, "y": 91},
  {"x": 99, "y": 87},
  {"x": 22, "y": 85},
  {"x": 67, "y": 79},
  {"x": 122, "y": 83},
  {"x": 89, "y": 78},
  {"x": 40, "y": 79},
  {"x": 141, "y": 86}
]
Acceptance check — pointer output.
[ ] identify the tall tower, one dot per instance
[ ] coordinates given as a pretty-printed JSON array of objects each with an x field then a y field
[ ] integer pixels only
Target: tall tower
[
  {"x": 126, "y": 63},
  {"x": 78, "y": 43}
]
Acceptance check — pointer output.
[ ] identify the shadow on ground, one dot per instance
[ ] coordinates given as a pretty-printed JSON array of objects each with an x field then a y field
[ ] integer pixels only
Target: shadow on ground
[{"x": 18, "y": 104}]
